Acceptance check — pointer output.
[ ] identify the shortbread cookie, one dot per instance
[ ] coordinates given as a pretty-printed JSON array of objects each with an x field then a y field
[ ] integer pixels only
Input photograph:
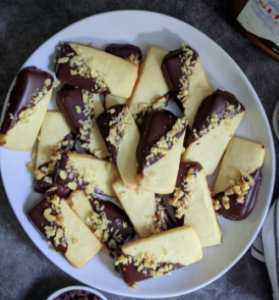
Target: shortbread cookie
[
  {"x": 81, "y": 109},
  {"x": 119, "y": 130},
  {"x": 187, "y": 80},
  {"x": 111, "y": 100},
  {"x": 215, "y": 124},
  {"x": 151, "y": 83},
  {"x": 64, "y": 230},
  {"x": 146, "y": 210},
  {"x": 236, "y": 188},
  {"x": 107, "y": 221},
  {"x": 84, "y": 172},
  {"x": 193, "y": 204},
  {"x": 159, "y": 254},
  {"x": 128, "y": 52},
  {"x": 95, "y": 71},
  {"x": 26, "y": 109},
  {"x": 159, "y": 151},
  {"x": 53, "y": 131}
]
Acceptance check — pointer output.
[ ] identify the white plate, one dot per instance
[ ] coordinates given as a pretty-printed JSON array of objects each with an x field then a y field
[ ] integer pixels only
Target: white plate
[{"x": 144, "y": 29}]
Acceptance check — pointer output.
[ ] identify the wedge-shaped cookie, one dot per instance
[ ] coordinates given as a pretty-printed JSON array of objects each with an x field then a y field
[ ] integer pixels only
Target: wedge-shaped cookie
[
  {"x": 107, "y": 221},
  {"x": 64, "y": 230},
  {"x": 95, "y": 71},
  {"x": 159, "y": 151},
  {"x": 193, "y": 205},
  {"x": 159, "y": 254},
  {"x": 111, "y": 100},
  {"x": 236, "y": 188},
  {"x": 187, "y": 80},
  {"x": 128, "y": 52},
  {"x": 55, "y": 137},
  {"x": 146, "y": 210},
  {"x": 26, "y": 109},
  {"x": 54, "y": 130},
  {"x": 83, "y": 172},
  {"x": 151, "y": 84},
  {"x": 80, "y": 109},
  {"x": 119, "y": 130},
  {"x": 215, "y": 123}
]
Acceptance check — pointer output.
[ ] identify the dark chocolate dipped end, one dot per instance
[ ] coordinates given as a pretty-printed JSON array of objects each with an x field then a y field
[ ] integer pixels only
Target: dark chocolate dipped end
[
  {"x": 109, "y": 122},
  {"x": 233, "y": 208},
  {"x": 30, "y": 87},
  {"x": 77, "y": 295},
  {"x": 214, "y": 108},
  {"x": 128, "y": 52},
  {"x": 118, "y": 230}
]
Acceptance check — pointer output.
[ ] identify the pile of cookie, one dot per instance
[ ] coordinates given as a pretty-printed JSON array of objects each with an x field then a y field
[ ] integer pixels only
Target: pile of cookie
[{"x": 113, "y": 135}]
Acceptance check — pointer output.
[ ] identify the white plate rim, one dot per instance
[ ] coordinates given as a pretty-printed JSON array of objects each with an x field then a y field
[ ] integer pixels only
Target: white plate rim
[{"x": 273, "y": 157}]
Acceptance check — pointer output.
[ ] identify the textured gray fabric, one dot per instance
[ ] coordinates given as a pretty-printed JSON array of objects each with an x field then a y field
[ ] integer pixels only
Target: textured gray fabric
[{"x": 24, "y": 25}]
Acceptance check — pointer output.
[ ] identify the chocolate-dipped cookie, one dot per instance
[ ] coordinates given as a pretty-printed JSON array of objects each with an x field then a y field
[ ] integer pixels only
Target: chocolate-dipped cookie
[
  {"x": 64, "y": 230},
  {"x": 147, "y": 211},
  {"x": 236, "y": 188},
  {"x": 128, "y": 52},
  {"x": 192, "y": 203},
  {"x": 107, "y": 221},
  {"x": 159, "y": 150},
  {"x": 186, "y": 79},
  {"x": 80, "y": 109},
  {"x": 84, "y": 172},
  {"x": 26, "y": 109},
  {"x": 159, "y": 254},
  {"x": 95, "y": 71},
  {"x": 214, "y": 125},
  {"x": 151, "y": 84},
  {"x": 120, "y": 132}
]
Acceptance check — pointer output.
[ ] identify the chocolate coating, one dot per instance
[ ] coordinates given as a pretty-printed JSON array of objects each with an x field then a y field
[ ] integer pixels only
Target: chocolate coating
[
  {"x": 214, "y": 103},
  {"x": 41, "y": 186},
  {"x": 36, "y": 215},
  {"x": 124, "y": 51},
  {"x": 169, "y": 221},
  {"x": 155, "y": 125},
  {"x": 238, "y": 211},
  {"x": 103, "y": 121},
  {"x": 29, "y": 81},
  {"x": 63, "y": 72},
  {"x": 117, "y": 217},
  {"x": 171, "y": 68},
  {"x": 77, "y": 295},
  {"x": 130, "y": 273},
  {"x": 183, "y": 170},
  {"x": 67, "y": 99}
]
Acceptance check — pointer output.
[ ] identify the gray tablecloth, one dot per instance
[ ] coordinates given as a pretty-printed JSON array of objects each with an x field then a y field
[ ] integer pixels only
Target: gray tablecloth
[{"x": 24, "y": 25}]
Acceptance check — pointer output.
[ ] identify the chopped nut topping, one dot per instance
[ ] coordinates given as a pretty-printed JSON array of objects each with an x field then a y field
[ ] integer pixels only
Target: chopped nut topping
[
  {"x": 182, "y": 197},
  {"x": 62, "y": 174},
  {"x": 56, "y": 83},
  {"x": 48, "y": 216},
  {"x": 63, "y": 60},
  {"x": 239, "y": 188},
  {"x": 72, "y": 185}
]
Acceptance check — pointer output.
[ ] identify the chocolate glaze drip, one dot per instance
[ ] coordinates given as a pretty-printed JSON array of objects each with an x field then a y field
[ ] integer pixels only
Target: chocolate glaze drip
[
  {"x": 170, "y": 223},
  {"x": 63, "y": 72},
  {"x": 67, "y": 99},
  {"x": 77, "y": 295},
  {"x": 29, "y": 81},
  {"x": 36, "y": 215},
  {"x": 171, "y": 67},
  {"x": 238, "y": 211},
  {"x": 124, "y": 51},
  {"x": 155, "y": 125},
  {"x": 182, "y": 172},
  {"x": 117, "y": 218},
  {"x": 41, "y": 186},
  {"x": 130, "y": 273},
  {"x": 103, "y": 121},
  {"x": 214, "y": 103}
]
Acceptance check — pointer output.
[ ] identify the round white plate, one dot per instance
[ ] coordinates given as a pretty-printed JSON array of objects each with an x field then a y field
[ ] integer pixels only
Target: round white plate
[{"x": 144, "y": 29}]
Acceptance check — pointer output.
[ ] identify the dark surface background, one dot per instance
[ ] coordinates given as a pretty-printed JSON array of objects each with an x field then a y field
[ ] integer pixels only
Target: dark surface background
[{"x": 25, "y": 273}]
